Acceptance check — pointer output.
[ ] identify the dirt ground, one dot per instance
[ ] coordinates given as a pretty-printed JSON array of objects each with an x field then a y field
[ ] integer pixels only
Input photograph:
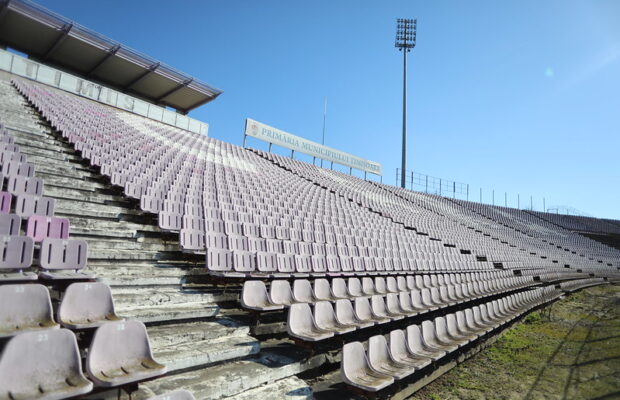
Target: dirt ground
[{"x": 568, "y": 350}]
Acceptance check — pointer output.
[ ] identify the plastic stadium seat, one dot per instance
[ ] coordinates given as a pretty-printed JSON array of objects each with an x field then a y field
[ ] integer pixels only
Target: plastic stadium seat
[
  {"x": 16, "y": 256},
  {"x": 25, "y": 308},
  {"x": 180, "y": 394},
  {"x": 63, "y": 259},
  {"x": 192, "y": 240},
  {"x": 28, "y": 204},
  {"x": 356, "y": 371},
  {"x": 255, "y": 297},
  {"x": 40, "y": 227},
  {"x": 42, "y": 365},
  {"x": 219, "y": 261},
  {"x": 280, "y": 293},
  {"x": 87, "y": 305},
  {"x": 345, "y": 315},
  {"x": 418, "y": 346},
  {"x": 120, "y": 353},
  {"x": 25, "y": 185},
  {"x": 400, "y": 351},
  {"x": 301, "y": 324},
  {"x": 380, "y": 359},
  {"x": 432, "y": 338},
  {"x": 10, "y": 224},
  {"x": 325, "y": 319}
]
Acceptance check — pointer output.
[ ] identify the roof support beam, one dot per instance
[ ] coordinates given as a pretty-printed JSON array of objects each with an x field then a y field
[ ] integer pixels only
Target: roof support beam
[
  {"x": 143, "y": 75},
  {"x": 174, "y": 89},
  {"x": 111, "y": 52},
  {"x": 61, "y": 38}
]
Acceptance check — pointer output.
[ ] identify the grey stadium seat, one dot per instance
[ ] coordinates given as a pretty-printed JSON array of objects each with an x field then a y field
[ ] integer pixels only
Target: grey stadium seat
[
  {"x": 356, "y": 371},
  {"x": 380, "y": 359},
  {"x": 301, "y": 324},
  {"x": 16, "y": 256},
  {"x": 64, "y": 258},
  {"x": 87, "y": 305},
  {"x": 42, "y": 365},
  {"x": 25, "y": 308},
  {"x": 120, "y": 353}
]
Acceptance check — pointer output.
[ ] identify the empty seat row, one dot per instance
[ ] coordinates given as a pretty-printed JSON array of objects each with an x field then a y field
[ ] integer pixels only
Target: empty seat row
[
  {"x": 28, "y": 307},
  {"x": 404, "y": 352},
  {"x": 38, "y": 227},
  {"x": 58, "y": 259},
  {"x": 577, "y": 284},
  {"x": 47, "y": 365},
  {"x": 256, "y": 296}
]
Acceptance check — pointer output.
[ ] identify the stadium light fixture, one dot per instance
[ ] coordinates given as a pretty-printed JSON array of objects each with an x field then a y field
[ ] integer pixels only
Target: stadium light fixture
[{"x": 405, "y": 42}]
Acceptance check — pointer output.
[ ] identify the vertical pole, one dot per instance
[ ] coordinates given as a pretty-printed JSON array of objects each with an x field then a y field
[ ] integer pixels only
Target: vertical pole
[
  {"x": 350, "y": 171},
  {"x": 481, "y": 195},
  {"x": 324, "y": 118},
  {"x": 440, "y": 186},
  {"x": 364, "y": 175},
  {"x": 244, "y": 136},
  {"x": 468, "y": 192},
  {"x": 332, "y": 166},
  {"x": 505, "y": 199},
  {"x": 411, "y": 180},
  {"x": 313, "y": 160},
  {"x": 292, "y": 153},
  {"x": 454, "y": 190},
  {"x": 270, "y": 147},
  {"x": 531, "y": 202},
  {"x": 544, "y": 205},
  {"x": 404, "y": 150},
  {"x": 426, "y": 190},
  {"x": 396, "y": 176}
]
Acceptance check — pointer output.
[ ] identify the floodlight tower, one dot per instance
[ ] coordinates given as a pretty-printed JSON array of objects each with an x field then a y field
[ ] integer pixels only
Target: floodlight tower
[{"x": 405, "y": 42}]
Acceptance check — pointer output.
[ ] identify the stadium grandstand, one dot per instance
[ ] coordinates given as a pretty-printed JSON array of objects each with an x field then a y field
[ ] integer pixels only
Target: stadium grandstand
[{"x": 144, "y": 259}]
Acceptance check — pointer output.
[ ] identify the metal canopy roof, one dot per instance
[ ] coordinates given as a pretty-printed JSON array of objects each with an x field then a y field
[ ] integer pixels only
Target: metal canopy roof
[{"x": 62, "y": 43}]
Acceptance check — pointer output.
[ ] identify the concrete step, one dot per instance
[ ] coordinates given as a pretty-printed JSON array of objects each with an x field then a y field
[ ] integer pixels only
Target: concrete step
[
  {"x": 130, "y": 297},
  {"x": 170, "y": 312},
  {"x": 272, "y": 364},
  {"x": 292, "y": 388}
]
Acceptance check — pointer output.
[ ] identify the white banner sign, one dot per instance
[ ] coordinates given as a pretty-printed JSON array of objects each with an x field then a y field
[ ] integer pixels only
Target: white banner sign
[{"x": 296, "y": 143}]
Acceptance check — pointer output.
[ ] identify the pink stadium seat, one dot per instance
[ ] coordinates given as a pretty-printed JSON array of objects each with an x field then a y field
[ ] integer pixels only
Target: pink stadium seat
[{"x": 40, "y": 227}]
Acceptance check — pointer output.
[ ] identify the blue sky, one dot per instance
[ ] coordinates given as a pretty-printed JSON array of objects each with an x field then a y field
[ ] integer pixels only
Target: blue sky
[{"x": 517, "y": 96}]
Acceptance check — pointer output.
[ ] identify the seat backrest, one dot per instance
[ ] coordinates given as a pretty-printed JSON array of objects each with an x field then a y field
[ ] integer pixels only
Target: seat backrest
[
  {"x": 6, "y": 199},
  {"x": 378, "y": 352},
  {"x": 170, "y": 221},
  {"x": 16, "y": 252},
  {"x": 117, "y": 344},
  {"x": 398, "y": 344},
  {"x": 302, "y": 291},
  {"x": 324, "y": 315},
  {"x": 33, "y": 361},
  {"x": 354, "y": 361},
  {"x": 322, "y": 289},
  {"x": 23, "y": 306},
  {"x": 63, "y": 254},
  {"x": 219, "y": 260},
  {"x": 40, "y": 227},
  {"x": 10, "y": 224},
  {"x": 86, "y": 301},
  {"x": 25, "y": 185},
  {"x": 344, "y": 312},
  {"x": 27, "y": 205},
  {"x": 300, "y": 318},
  {"x": 280, "y": 292},
  {"x": 192, "y": 239}
]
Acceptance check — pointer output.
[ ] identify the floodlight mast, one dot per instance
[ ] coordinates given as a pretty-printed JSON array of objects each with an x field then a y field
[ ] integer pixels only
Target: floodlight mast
[{"x": 405, "y": 42}]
